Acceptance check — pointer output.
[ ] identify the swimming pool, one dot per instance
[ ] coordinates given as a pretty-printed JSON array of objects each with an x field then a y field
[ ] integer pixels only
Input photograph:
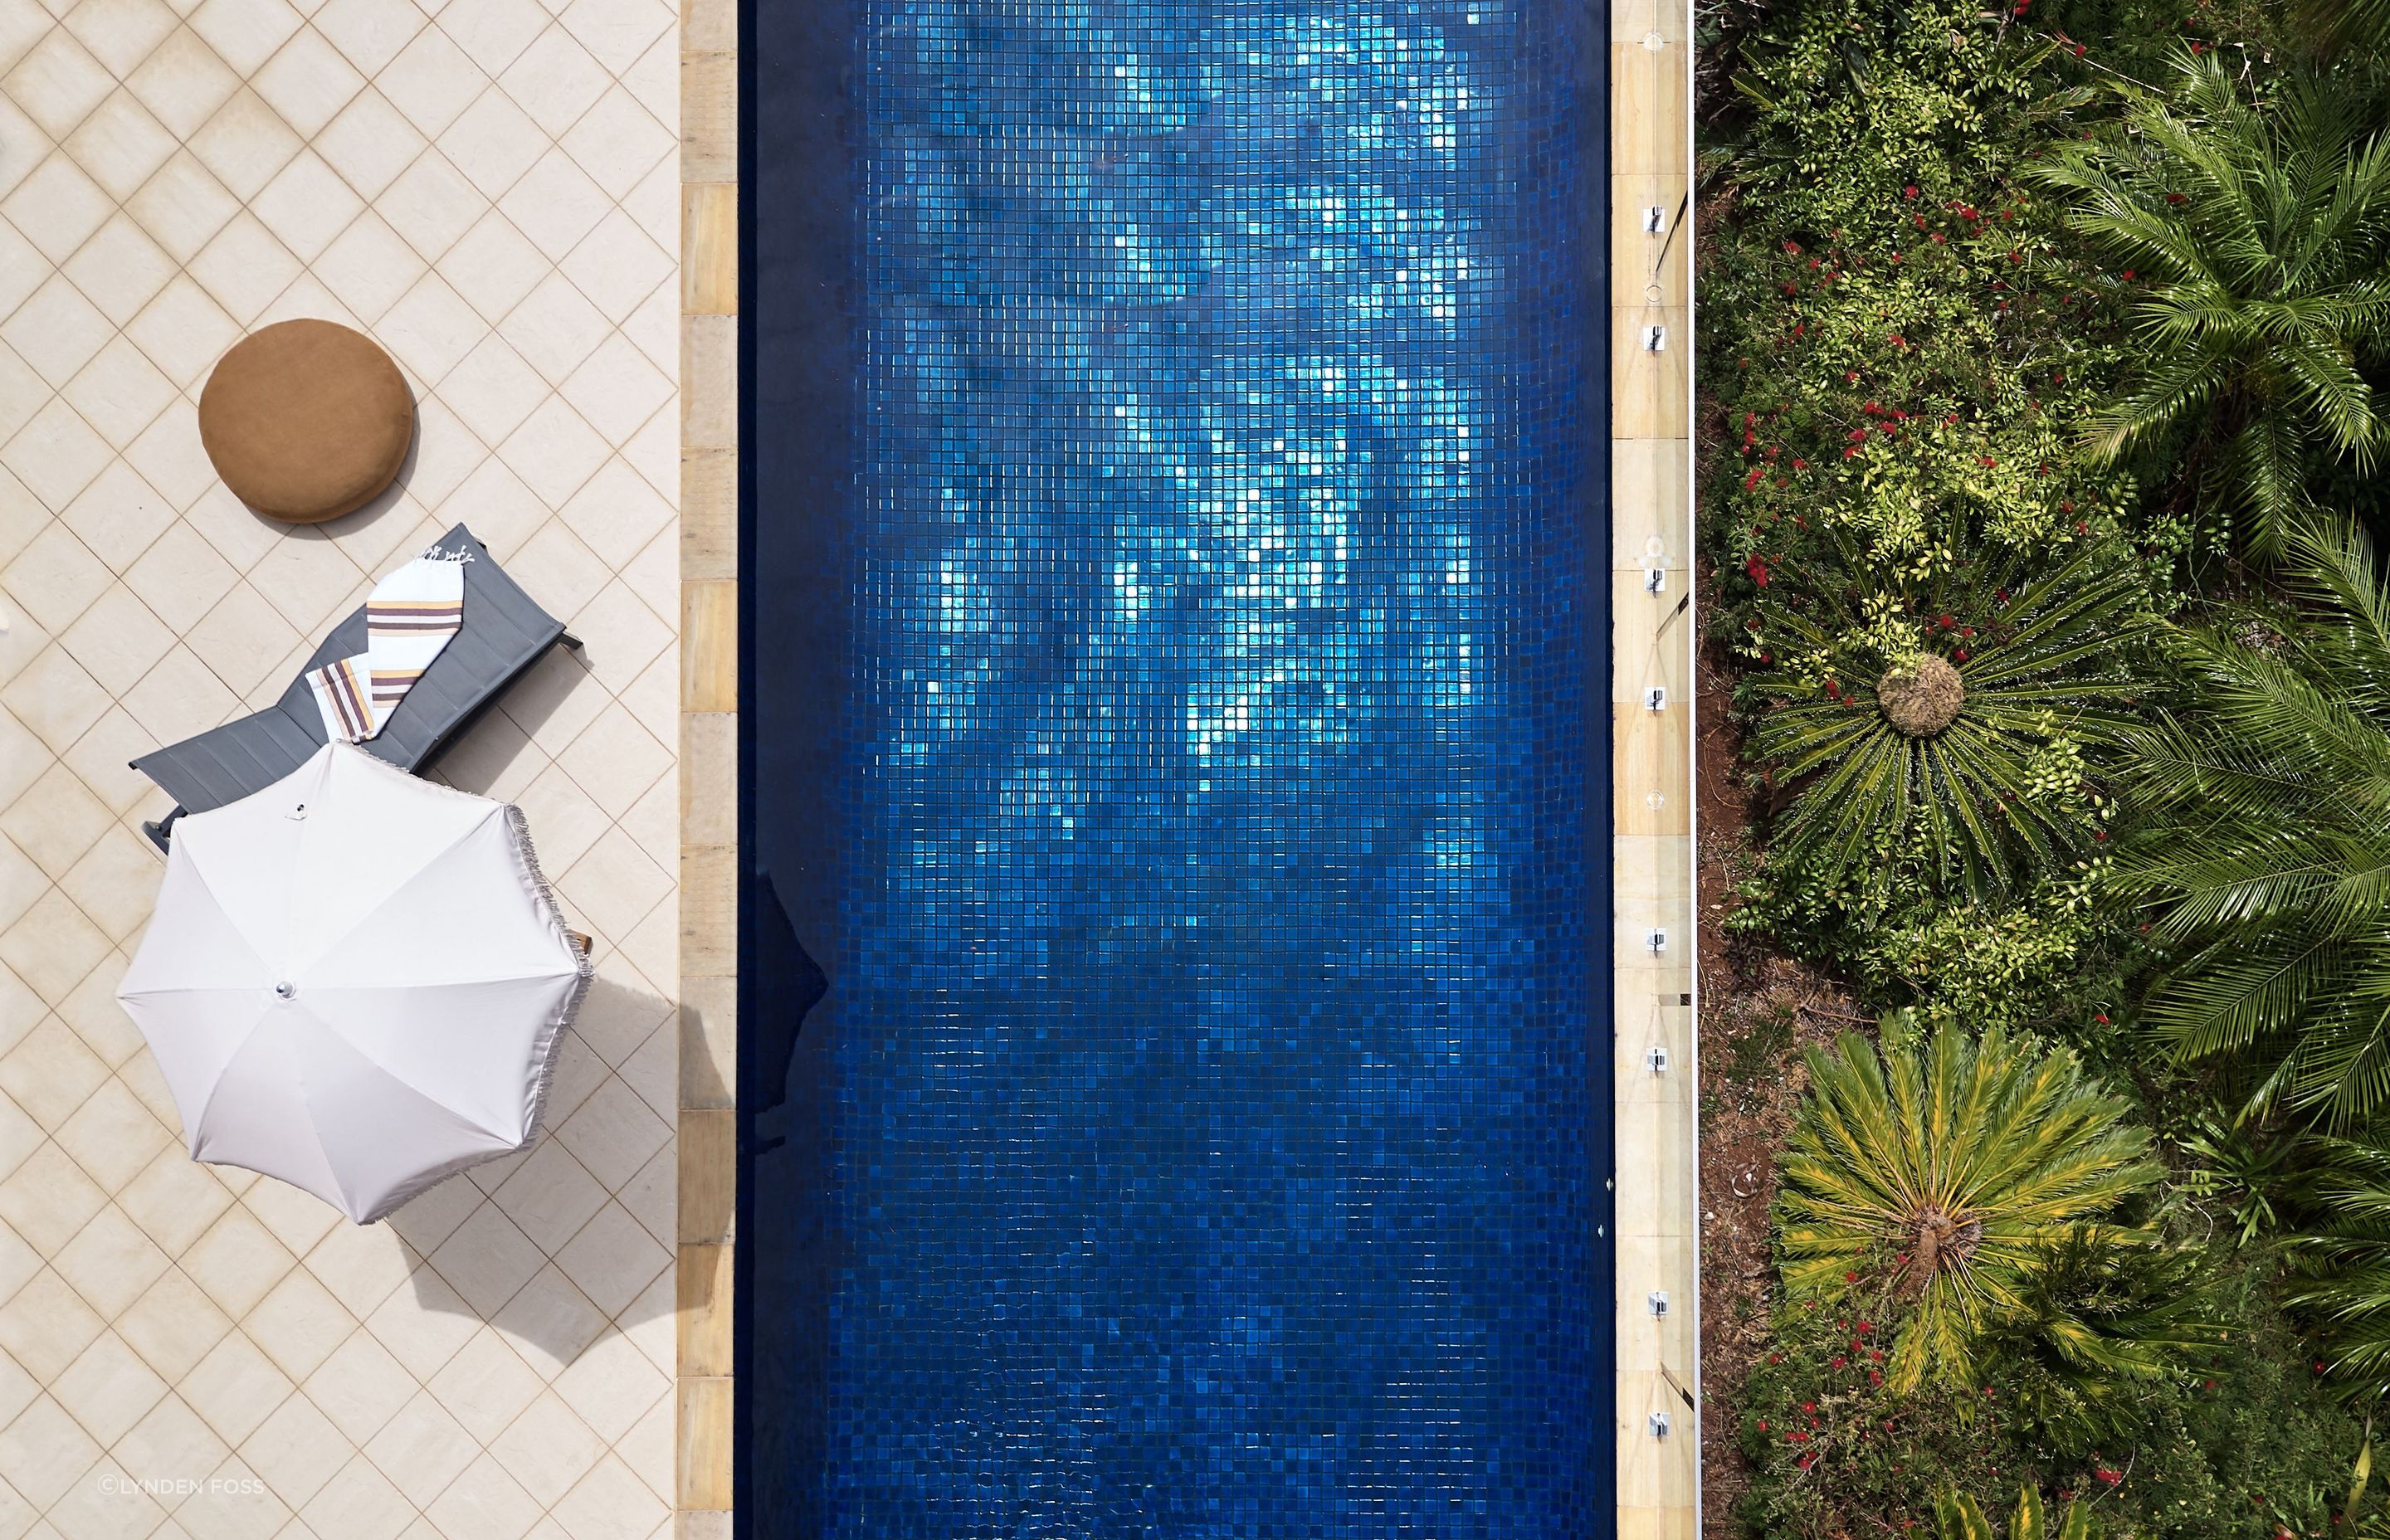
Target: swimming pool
[{"x": 1175, "y": 980}]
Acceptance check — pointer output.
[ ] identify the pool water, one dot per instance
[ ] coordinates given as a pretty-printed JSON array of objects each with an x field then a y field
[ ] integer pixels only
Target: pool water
[{"x": 1174, "y": 992}]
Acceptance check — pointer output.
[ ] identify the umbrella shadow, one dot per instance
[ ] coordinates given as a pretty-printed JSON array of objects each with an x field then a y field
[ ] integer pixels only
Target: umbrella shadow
[{"x": 567, "y": 1244}]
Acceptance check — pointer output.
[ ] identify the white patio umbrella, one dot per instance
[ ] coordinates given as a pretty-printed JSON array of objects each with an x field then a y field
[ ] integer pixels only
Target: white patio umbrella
[{"x": 354, "y": 981}]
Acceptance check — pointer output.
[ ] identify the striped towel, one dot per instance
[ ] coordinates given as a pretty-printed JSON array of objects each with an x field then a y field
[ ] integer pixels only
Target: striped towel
[{"x": 409, "y": 617}]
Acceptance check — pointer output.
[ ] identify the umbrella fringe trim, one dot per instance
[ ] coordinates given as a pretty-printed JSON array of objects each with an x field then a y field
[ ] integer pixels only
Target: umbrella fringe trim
[
  {"x": 519, "y": 829},
  {"x": 585, "y": 971}
]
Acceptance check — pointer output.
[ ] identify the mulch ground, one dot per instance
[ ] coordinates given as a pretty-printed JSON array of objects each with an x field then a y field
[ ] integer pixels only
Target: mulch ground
[{"x": 1759, "y": 1009}]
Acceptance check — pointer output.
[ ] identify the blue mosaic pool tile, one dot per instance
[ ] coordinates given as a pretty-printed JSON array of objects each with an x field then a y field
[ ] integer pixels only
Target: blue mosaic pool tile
[{"x": 1217, "y": 1115}]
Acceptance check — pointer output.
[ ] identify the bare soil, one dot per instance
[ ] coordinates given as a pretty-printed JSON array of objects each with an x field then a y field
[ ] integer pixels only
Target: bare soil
[{"x": 1759, "y": 1009}]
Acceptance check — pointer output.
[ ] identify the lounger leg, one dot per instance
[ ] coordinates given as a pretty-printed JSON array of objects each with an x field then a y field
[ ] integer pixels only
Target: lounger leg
[
  {"x": 163, "y": 830},
  {"x": 569, "y": 640}
]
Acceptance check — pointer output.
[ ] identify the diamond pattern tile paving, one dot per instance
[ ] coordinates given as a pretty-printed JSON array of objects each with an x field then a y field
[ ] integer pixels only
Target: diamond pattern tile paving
[{"x": 490, "y": 189}]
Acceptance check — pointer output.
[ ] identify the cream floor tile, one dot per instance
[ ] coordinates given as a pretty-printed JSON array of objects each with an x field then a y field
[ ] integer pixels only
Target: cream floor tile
[
  {"x": 548, "y": 1449},
  {"x": 308, "y": 81},
  {"x": 549, "y": 1322},
  {"x": 306, "y": 205},
  {"x": 53, "y": 821},
  {"x": 362, "y": 1264},
  {"x": 113, "y": 1137},
  {"x": 108, "y": 1389},
  {"x": 56, "y": 330},
  {"x": 555, "y": 81},
  {"x": 120, "y": 144},
  {"x": 118, "y": 516},
  {"x": 486, "y": 1385},
  {"x": 361, "y": 1387},
  {"x": 371, "y": 143},
  {"x": 237, "y": 1262},
  {"x": 298, "y": 1323},
  {"x": 46, "y": 1326},
  {"x": 243, "y": 142},
  {"x": 423, "y": 1323},
  {"x": 57, "y": 82},
  {"x": 359, "y": 1501},
  {"x": 422, "y": 1449},
  {"x": 173, "y": 1325},
  {"x": 52, "y": 947},
  {"x": 181, "y": 81},
  {"x": 42, "y": 1452},
  {"x": 485, "y": 1501},
  {"x": 370, "y": 34},
  {"x": 237, "y": 1503},
  {"x": 176, "y": 1201},
  {"x": 170, "y": 1444},
  {"x": 235, "y": 1388},
  {"x": 55, "y": 699},
  {"x": 112, "y": 1263},
  {"x": 245, "y": 33}
]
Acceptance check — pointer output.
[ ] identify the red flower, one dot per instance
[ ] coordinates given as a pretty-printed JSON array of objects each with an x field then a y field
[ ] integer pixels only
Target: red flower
[
  {"x": 1805, "y": 1461},
  {"x": 1840, "y": 1361},
  {"x": 2101, "y": 1017},
  {"x": 1757, "y": 568},
  {"x": 1809, "y": 1405},
  {"x": 1961, "y": 654},
  {"x": 1763, "y": 1425},
  {"x": 2109, "y": 1477},
  {"x": 1850, "y": 1278},
  {"x": 2129, "y": 275},
  {"x": 1800, "y": 464},
  {"x": 1850, "y": 376},
  {"x": 2177, "y": 197},
  {"x": 1793, "y": 246},
  {"x": 1875, "y": 1377},
  {"x": 2016, "y": 256},
  {"x": 1908, "y": 191},
  {"x": 1753, "y": 479},
  {"x": 1987, "y": 461},
  {"x": 2079, "y": 50}
]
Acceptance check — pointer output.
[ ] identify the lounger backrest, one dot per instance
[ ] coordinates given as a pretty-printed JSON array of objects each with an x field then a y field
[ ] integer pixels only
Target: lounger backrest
[{"x": 504, "y": 631}]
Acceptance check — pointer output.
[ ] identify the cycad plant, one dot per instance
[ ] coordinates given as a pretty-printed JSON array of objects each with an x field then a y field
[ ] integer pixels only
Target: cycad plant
[
  {"x": 2341, "y": 1263},
  {"x": 2263, "y": 846},
  {"x": 2259, "y": 235},
  {"x": 1945, "y": 1177},
  {"x": 2099, "y": 1320},
  {"x": 1958, "y": 1516},
  {"x": 1940, "y": 704}
]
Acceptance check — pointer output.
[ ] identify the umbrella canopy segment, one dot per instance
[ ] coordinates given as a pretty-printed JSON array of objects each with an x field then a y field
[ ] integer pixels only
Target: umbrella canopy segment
[{"x": 353, "y": 981}]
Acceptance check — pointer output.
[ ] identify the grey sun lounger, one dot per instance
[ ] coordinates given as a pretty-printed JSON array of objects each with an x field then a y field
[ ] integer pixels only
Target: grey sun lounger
[{"x": 503, "y": 632}]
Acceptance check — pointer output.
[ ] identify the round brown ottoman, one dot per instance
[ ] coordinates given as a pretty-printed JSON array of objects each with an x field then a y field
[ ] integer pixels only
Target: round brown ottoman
[{"x": 306, "y": 420}]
